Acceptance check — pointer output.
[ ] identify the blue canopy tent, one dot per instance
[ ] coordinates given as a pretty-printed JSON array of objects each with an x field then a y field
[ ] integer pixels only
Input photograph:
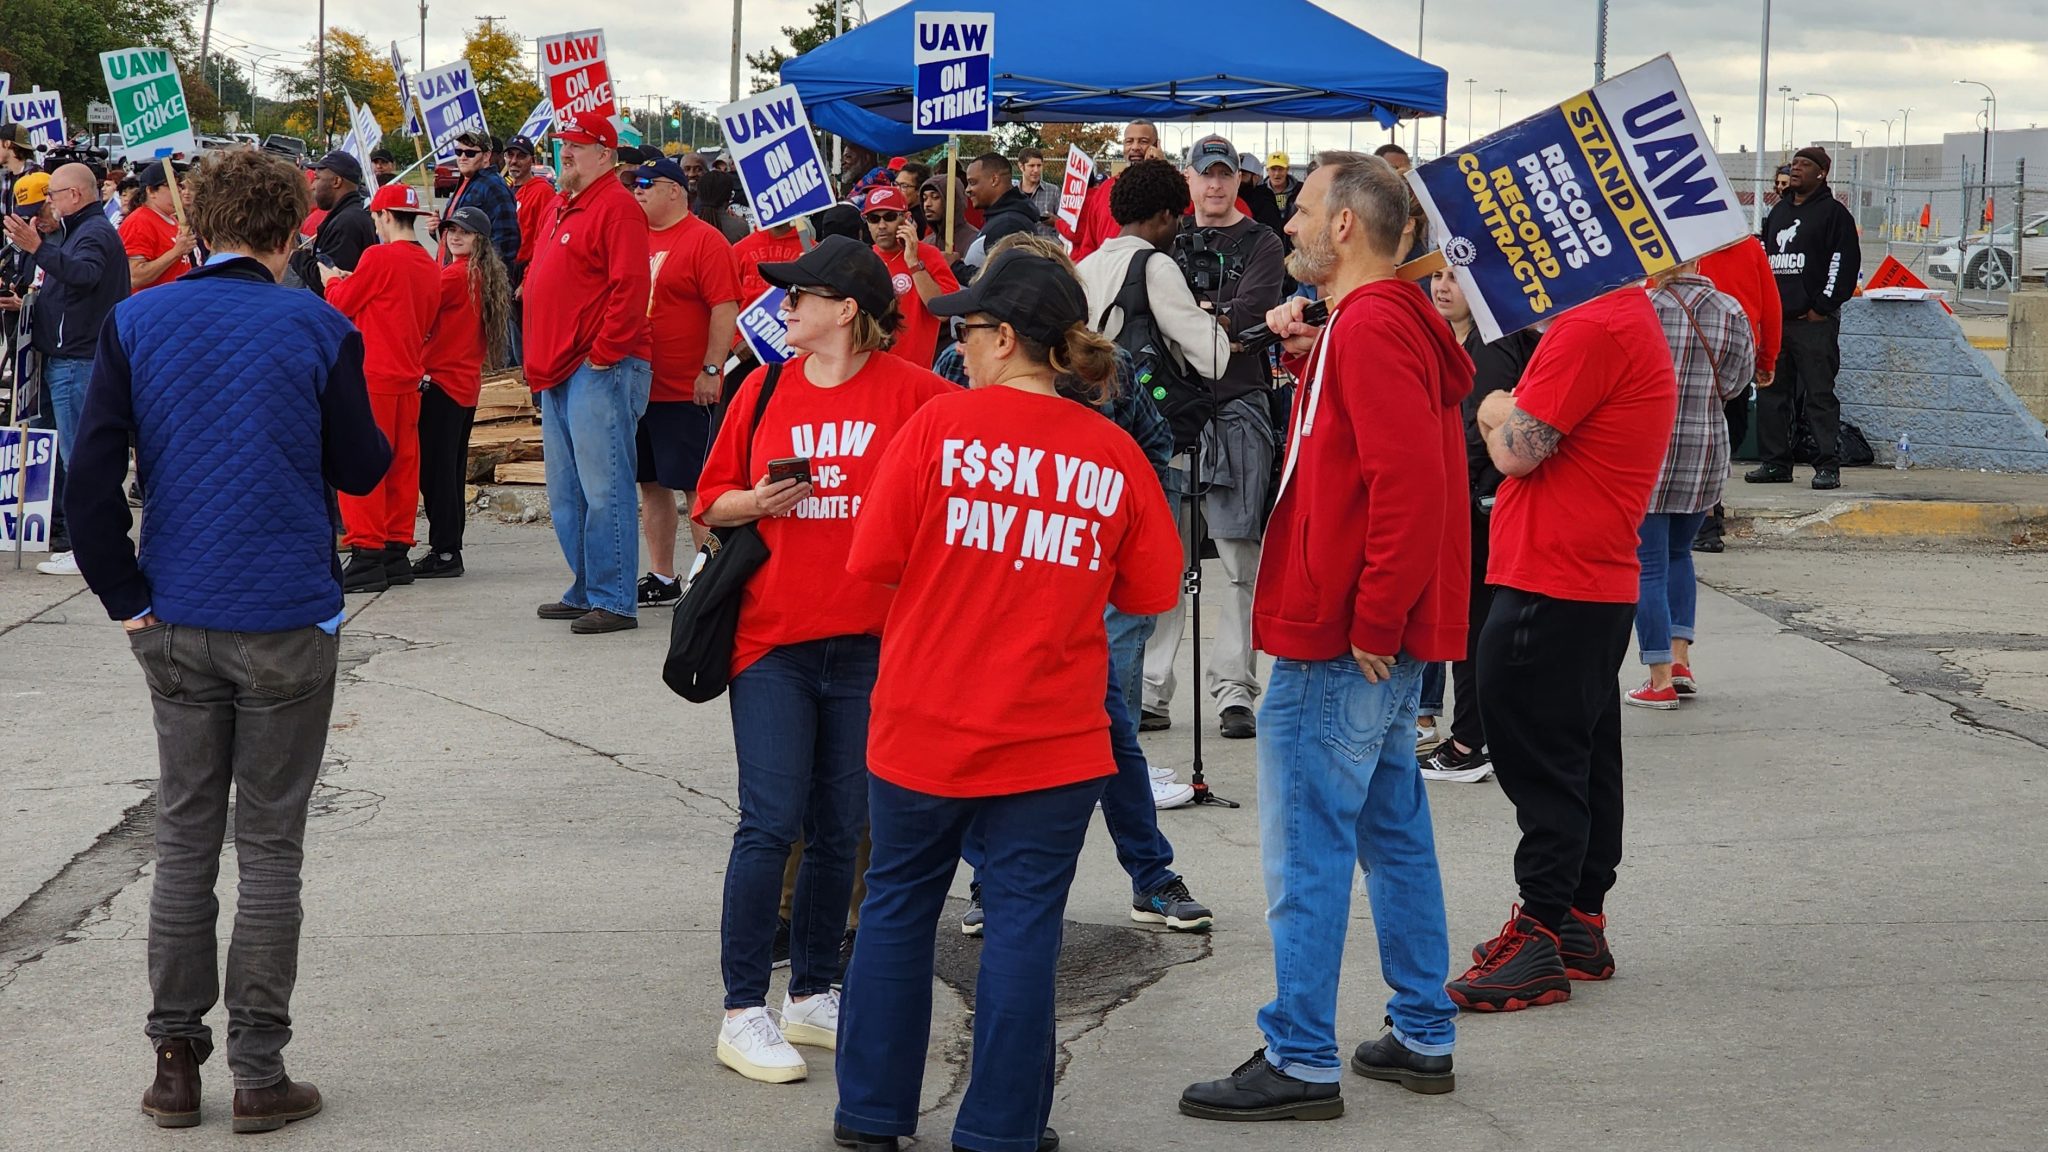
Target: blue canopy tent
[{"x": 1069, "y": 61}]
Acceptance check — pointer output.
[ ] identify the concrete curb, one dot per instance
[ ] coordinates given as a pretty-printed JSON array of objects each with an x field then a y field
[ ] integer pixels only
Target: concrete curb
[{"x": 1896, "y": 520}]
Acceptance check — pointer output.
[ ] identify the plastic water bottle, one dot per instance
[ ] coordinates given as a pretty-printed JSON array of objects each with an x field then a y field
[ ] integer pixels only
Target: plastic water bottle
[{"x": 1903, "y": 458}]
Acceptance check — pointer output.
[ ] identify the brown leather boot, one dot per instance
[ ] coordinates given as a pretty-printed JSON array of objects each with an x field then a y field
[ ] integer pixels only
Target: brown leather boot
[
  {"x": 174, "y": 1098},
  {"x": 268, "y": 1109}
]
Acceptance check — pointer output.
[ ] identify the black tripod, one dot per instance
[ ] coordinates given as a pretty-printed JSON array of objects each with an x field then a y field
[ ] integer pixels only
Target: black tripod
[{"x": 1193, "y": 530}]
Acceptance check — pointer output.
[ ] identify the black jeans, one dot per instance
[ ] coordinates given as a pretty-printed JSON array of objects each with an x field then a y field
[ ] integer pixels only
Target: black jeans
[
  {"x": 1466, "y": 727},
  {"x": 1548, "y": 693},
  {"x": 444, "y": 467},
  {"x": 1807, "y": 363},
  {"x": 248, "y": 709}
]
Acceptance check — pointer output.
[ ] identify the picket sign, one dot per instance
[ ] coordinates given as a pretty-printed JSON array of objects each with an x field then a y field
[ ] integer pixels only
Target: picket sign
[
  {"x": 762, "y": 327},
  {"x": 954, "y": 55},
  {"x": 576, "y": 77},
  {"x": 149, "y": 101},
  {"x": 42, "y": 113},
  {"x": 28, "y": 478},
  {"x": 776, "y": 156},
  {"x": 1074, "y": 189},
  {"x": 540, "y": 120}
]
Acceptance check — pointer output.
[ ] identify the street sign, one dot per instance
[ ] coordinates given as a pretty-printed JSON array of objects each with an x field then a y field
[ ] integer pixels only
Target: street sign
[
  {"x": 955, "y": 58},
  {"x": 577, "y": 77},
  {"x": 99, "y": 113},
  {"x": 149, "y": 102},
  {"x": 776, "y": 155}
]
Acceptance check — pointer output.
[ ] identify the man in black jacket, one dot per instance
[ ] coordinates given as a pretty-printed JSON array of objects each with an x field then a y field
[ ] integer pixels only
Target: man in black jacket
[
  {"x": 1815, "y": 257},
  {"x": 346, "y": 232},
  {"x": 1005, "y": 211}
]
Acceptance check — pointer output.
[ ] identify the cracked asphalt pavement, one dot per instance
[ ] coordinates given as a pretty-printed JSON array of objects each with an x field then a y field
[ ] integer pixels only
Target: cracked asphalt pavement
[{"x": 1830, "y": 924}]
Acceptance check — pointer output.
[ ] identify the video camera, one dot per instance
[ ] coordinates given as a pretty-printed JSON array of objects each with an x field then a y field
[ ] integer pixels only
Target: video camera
[
  {"x": 1205, "y": 266},
  {"x": 1258, "y": 337},
  {"x": 69, "y": 152}
]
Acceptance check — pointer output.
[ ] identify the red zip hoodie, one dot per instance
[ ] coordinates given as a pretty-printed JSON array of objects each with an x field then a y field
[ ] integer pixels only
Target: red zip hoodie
[{"x": 1370, "y": 543}]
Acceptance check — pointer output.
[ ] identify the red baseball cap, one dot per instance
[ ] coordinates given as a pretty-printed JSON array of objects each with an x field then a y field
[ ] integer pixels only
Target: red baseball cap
[
  {"x": 883, "y": 198},
  {"x": 397, "y": 196},
  {"x": 587, "y": 128}
]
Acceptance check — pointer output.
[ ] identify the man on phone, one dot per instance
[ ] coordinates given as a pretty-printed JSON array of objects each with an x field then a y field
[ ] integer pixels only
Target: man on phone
[
  {"x": 918, "y": 270},
  {"x": 346, "y": 231}
]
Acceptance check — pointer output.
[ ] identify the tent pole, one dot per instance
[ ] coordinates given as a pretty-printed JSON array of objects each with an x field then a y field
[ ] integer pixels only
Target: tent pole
[{"x": 952, "y": 181}]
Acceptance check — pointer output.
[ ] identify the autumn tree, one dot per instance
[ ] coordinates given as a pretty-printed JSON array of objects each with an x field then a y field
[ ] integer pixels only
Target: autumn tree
[
  {"x": 355, "y": 67},
  {"x": 767, "y": 64},
  {"x": 503, "y": 75}
]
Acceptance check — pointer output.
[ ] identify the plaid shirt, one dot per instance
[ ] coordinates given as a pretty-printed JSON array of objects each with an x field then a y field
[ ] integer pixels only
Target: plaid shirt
[{"x": 1714, "y": 352}]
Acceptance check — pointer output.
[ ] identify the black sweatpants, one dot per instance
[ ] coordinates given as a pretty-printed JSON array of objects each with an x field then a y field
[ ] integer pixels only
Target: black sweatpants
[
  {"x": 1466, "y": 726},
  {"x": 1807, "y": 362},
  {"x": 1552, "y": 707},
  {"x": 444, "y": 467}
]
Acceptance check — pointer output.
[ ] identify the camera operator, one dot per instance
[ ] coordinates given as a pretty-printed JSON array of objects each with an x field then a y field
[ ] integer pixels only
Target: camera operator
[{"x": 1236, "y": 267}]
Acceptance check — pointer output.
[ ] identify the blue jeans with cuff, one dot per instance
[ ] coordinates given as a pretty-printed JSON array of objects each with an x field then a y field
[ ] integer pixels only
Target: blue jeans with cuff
[
  {"x": 587, "y": 426},
  {"x": 1667, "y": 598},
  {"x": 1338, "y": 782}
]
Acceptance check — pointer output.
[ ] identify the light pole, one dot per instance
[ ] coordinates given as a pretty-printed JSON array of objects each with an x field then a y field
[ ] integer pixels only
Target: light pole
[
  {"x": 1717, "y": 135},
  {"x": 1889, "y": 194},
  {"x": 1837, "y": 137},
  {"x": 1468, "y": 109},
  {"x": 1791, "y": 144},
  {"x": 1990, "y": 127},
  {"x": 1421, "y": 18},
  {"x": 1763, "y": 116},
  {"x": 1500, "y": 108},
  {"x": 1905, "y": 122},
  {"x": 1784, "y": 112}
]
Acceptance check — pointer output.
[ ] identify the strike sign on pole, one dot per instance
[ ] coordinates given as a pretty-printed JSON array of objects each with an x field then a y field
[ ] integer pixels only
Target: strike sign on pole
[
  {"x": 539, "y": 120},
  {"x": 149, "y": 102},
  {"x": 6, "y": 83},
  {"x": 1074, "y": 188},
  {"x": 449, "y": 104},
  {"x": 28, "y": 478},
  {"x": 412, "y": 115},
  {"x": 761, "y": 324},
  {"x": 955, "y": 58},
  {"x": 577, "y": 78},
  {"x": 42, "y": 113},
  {"x": 1614, "y": 185},
  {"x": 777, "y": 156}
]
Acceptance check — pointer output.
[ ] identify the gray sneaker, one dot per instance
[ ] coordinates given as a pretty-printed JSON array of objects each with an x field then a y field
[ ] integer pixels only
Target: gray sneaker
[
  {"x": 1171, "y": 905},
  {"x": 970, "y": 921}
]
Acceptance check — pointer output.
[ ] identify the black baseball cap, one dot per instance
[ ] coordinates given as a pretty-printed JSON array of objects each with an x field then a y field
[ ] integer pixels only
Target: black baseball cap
[
  {"x": 341, "y": 164},
  {"x": 844, "y": 265},
  {"x": 1029, "y": 292},
  {"x": 151, "y": 175},
  {"x": 519, "y": 144},
  {"x": 469, "y": 219}
]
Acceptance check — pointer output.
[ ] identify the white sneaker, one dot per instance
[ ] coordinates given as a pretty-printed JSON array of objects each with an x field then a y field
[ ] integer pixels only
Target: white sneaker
[
  {"x": 1428, "y": 736},
  {"x": 1171, "y": 793},
  {"x": 751, "y": 1045},
  {"x": 814, "y": 1022},
  {"x": 59, "y": 564},
  {"x": 1160, "y": 772}
]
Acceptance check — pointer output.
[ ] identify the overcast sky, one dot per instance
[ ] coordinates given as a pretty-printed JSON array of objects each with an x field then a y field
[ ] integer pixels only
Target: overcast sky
[{"x": 1873, "y": 56}]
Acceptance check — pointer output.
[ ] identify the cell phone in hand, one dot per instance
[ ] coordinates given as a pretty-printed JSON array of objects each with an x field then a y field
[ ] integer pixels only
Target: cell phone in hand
[
  {"x": 789, "y": 468},
  {"x": 325, "y": 260}
]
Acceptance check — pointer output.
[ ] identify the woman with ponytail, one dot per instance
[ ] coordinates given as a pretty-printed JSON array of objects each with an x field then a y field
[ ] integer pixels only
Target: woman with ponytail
[
  {"x": 468, "y": 336},
  {"x": 1006, "y": 517}
]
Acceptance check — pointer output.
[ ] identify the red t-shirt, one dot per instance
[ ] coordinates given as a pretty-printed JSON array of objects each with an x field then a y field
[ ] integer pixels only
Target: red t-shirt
[
  {"x": 1006, "y": 519},
  {"x": 391, "y": 298},
  {"x": 147, "y": 234},
  {"x": 918, "y": 340},
  {"x": 756, "y": 249},
  {"x": 803, "y": 592},
  {"x": 454, "y": 355},
  {"x": 1602, "y": 376},
  {"x": 690, "y": 265}
]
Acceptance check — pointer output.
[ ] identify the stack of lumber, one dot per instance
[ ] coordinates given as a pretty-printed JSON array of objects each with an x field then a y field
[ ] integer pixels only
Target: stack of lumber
[{"x": 504, "y": 445}]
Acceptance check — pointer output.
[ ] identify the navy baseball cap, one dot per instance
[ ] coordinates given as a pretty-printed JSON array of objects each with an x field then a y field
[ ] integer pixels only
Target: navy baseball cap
[
  {"x": 520, "y": 144},
  {"x": 664, "y": 168},
  {"x": 340, "y": 163}
]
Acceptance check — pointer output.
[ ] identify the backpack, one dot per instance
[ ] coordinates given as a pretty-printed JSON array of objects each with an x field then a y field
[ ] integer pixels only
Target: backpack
[{"x": 1187, "y": 401}]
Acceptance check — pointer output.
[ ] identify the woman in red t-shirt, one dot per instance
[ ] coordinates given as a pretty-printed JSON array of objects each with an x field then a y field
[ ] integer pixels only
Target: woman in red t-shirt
[
  {"x": 805, "y": 655},
  {"x": 1006, "y": 516},
  {"x": 468, "y": 336}
]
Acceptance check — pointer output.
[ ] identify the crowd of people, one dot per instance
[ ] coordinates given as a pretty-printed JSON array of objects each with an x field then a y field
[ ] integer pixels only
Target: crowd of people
[{"x": 977, "y": 413}]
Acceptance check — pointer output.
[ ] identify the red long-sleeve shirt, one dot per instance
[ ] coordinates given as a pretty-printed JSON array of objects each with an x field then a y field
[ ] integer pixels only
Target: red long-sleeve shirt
[
  {"x": 586, "y": 290},
  {"x": 454, "y": 357},
  {"x": 391, "y": 298},
  {"x": 1744, "y": 272},
  {"x": 535, "y": 197}
]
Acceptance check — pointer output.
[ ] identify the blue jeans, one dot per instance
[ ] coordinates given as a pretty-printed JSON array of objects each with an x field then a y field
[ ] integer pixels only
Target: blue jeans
[
  {"x": 1338, "y": 782},
  {"x": 1127, "y": 638},
  {"x": 1031, "y": 842},
  {"x": 587, "y": 427},
  {"x": 1432, "y": 690},
  {"x": 66, "y": 377},
  {"x": 1667, "y": 598},
  {"x": 800, "y": 728}
]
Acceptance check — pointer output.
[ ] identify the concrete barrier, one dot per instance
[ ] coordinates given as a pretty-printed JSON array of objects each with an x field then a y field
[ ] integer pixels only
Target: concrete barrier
[{"x": 1908, "y": 367}]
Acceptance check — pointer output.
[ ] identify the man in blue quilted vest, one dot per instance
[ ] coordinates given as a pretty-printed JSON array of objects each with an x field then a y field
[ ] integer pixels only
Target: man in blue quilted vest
[{"x": 244, "y": 399}]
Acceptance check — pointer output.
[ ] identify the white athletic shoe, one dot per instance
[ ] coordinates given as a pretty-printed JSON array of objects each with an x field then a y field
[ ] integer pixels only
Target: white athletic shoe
[
  {"x": 751, "y": 1045},
  {"x": 1160, "y": 772},
  {"x": 59, "y": 564},
  {"x": 814, "y": 1022},
  {"x": 1171, "y": 793}
]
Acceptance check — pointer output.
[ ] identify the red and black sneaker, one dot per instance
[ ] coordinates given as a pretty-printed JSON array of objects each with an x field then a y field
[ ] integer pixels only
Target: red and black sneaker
[
  {"x": 1582, "y": 945},
  {"x": 1520, "y": 970}
]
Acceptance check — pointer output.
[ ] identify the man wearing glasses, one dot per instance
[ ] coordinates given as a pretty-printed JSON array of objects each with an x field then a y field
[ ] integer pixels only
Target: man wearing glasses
[
  {"x": 476, "y": 158},
  {"x": 85, "y": 273},
  {"x": 916, "y": 269}
]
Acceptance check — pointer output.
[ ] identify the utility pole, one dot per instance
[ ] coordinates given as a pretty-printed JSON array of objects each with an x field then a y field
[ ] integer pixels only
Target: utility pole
[
  {"x": 205, "y": 36},
  {"x": 1469, "y": 82},
  {"x": 320, "y": 84},
  {"x": 1500, "y": 108},
  {"x": 1763, "y": 113},
  {"x": 1421, "y": 19},
  {"x": 1717, "y": 135},
  {"x": 733, "y": 88},
  {"x": 423, "y": 35}
]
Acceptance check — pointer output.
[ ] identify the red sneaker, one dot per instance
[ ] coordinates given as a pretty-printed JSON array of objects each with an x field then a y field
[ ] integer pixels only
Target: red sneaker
[
  {"x": 1520, "y": 970},
  {"x": 1681, "y": 679},
  {"x": 1648, "y": 697}
]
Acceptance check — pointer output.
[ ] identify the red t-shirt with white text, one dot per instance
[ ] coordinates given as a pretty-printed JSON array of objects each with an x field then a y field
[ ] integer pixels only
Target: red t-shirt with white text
[
  {"x": 1602, "y": 376},
  {"x": 690, "y": 266},
  {"x": 918, "y": 340},
  {"x": 803, "y": 592},
  {"x": 1007, "y": 519}
]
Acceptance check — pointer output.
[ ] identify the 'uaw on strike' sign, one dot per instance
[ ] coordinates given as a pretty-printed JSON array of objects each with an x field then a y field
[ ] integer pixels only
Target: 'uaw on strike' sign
[
  {"x": 776, "y": 155},
  {"x": 149, "y": 102},
  {"x": 450, "y": 105},
  {"x": 955, "y": 57},
  {"x": 579, "y": 78},
  {"x": 1609, "y": 187}
]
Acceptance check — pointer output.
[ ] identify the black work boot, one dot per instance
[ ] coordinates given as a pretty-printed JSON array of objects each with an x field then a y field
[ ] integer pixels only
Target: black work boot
[
  {"x": 397, "y": 564},
  {"x": 1388, "y": 1059},
  {"x": 174, "y": 1099},
  {"x": 1259, "y": 1091},
  {"x": 365, "y": 571}
]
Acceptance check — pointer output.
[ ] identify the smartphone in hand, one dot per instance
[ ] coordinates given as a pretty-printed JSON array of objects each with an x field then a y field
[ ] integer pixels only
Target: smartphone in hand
[{"x": 789, "y": 468}]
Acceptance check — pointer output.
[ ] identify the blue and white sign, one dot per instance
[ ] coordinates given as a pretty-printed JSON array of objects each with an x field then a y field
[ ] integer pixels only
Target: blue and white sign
[
  {"x": 41, "y": 112},
  {"x": 365, "y": 135},
  {"x": 777, "y": 157},
  {"x": 28, "y": 476},
  {"x": 449, "y": 104},
  {"x": 412, "y": 116},
  {"x": 762, "y": 327},
  {"x": 539, "y": 120},
  {"x": 6, "y": 83},
  {"x": 955, "y": 56}
]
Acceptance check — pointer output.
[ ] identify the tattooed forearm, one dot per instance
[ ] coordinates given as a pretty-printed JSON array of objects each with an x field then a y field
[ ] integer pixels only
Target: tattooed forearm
[{"x": 1521, "y": 442}]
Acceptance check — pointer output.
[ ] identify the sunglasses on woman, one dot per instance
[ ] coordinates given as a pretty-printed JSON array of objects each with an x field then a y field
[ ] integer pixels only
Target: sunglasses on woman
[
  {"x": 799, "y": 291},
  {"x": 961, "y": 326}
]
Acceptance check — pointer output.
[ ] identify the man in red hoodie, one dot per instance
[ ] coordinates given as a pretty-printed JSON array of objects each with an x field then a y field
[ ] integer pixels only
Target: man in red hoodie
[
  {"x": 588, "y": 349},
  {"x": 1364, "y": 582}
]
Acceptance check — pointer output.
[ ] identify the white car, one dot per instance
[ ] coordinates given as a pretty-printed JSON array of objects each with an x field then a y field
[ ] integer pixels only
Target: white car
[{"x": 1987, "y": 261}]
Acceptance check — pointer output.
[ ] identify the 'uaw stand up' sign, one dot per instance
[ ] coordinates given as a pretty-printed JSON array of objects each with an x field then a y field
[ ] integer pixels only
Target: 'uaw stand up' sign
[{"x": 1609, "y": 187}]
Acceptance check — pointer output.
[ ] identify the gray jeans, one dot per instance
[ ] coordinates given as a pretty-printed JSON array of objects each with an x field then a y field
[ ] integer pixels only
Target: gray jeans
[{"x": 248, "y": 709}]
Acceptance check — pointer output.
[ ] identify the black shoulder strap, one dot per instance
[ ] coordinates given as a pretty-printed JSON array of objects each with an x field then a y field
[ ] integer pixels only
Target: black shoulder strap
[
  {"x": 1132, "y": 297},
  {"x": 760, "y": 410}
]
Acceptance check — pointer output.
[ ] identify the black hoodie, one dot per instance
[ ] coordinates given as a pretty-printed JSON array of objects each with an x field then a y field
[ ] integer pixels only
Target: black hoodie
[
  {"x": 1815, "y": 253},
  {"x": 1012, "y": 212}
]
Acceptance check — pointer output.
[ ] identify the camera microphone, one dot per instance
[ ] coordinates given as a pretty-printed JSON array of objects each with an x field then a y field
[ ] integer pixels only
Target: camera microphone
[{"x": 1259, "y": 337}]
